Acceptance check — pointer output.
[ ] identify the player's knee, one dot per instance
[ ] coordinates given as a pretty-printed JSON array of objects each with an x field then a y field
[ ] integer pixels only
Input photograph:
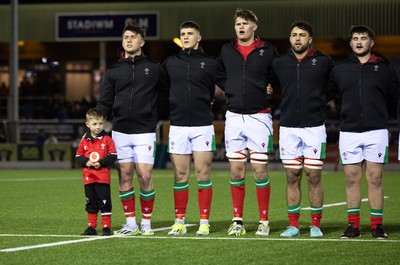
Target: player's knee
[
  {"x": 292, "y": 163},
  {"x": 238, "y": 156},
  {"x": 313, "y": 163},
  {"x": 258, "y": 158}
]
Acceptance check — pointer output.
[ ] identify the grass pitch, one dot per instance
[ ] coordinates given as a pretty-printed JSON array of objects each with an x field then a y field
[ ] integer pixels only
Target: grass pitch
[{"x": 42, "y": 214}]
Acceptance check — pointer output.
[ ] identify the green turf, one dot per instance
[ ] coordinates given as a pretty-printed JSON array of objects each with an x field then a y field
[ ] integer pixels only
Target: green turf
[{"x": 50, "y": 203}]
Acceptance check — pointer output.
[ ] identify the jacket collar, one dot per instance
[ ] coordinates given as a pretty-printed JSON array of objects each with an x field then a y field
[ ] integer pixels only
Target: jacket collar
[{"x": 89, "y": 136}]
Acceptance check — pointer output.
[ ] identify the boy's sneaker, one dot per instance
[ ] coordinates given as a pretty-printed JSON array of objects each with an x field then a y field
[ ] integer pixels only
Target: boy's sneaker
[
  {"x": 146, "y": 230},
  {"x": 315, "y": 231},
  {"x": 126, "y": 230},
  {"x": 350, "y": 232},
  {"x": 291, "y": 231},
  {"x": 379, "y": 233},
  {"x": 90, "y": 231},
  {"x": 263, "y": 229},
  {"x": 177, "y": 229},
  {"x": 204, "y": 229},
  {"x": 236, "y": 229},
  {"x": 106, "y": 231}
]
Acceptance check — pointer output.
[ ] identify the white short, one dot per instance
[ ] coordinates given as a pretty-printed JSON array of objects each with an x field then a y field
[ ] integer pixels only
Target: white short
[
  {"x": 137, "y": 148},
  {"x": 183, "y": 140},
  {"x": 372, "y": 146},
  {"x": 252, "y": 131},
  {"x": 307, "y": 142}
]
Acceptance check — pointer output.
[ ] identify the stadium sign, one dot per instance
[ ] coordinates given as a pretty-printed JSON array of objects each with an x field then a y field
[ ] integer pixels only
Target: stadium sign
[{"x": 103, "y": 26}]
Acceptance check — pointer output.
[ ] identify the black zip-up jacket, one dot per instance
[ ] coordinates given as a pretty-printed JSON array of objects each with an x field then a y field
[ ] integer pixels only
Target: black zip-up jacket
[
  {"x": 193, "y": 75},
  {"x": 130, "y": 89},
  {"x": 365, "y": 91},
  {"x": 246, "y": 81},
  {"x": 304, "y": 86}
]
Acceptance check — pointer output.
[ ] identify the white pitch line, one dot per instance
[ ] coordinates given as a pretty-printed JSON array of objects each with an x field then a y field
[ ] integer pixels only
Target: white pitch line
[
  {"x": 54, "y": 244},
  {"x": 69, "y": 241},
  {"x": 353, "y": 240},
  {"x": 339, "y": 204}
]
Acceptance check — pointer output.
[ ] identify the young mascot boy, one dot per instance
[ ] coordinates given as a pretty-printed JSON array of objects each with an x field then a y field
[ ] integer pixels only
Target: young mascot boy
[{"x": 96, "y": 153}]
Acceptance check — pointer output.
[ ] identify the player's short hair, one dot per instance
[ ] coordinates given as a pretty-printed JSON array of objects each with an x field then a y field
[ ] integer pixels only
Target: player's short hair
[
  {"x": 190, "y": 25},
  {"x": 361, "y": 29},
  {"x": 304, "y": 26},
  {"x": 246, "y": 14},
  {"x": 94, "y": 114},
  {"x": 135, "y": 28}
]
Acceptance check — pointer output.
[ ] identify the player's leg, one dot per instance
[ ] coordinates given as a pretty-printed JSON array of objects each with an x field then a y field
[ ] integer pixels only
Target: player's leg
[
  {"x": 125, "y": 172},
  {"x": 290, "y": 151},
  {"x": 353, "y": 174},
  {"x": 236, "y": 152},
  {"x": 377, "y": 144},
  {"x": 104, "y": 201},
  {"x": 314, "y": 151},
  {"x": 260, "y": 143},
  {"x": 351, "y": 156},
  {"x": 315, "y": 194},
  {"x": 373, "y": 172},
  {"x": 91, "y": 209},
  {"x": 180, "y": 149},
  {"x": 125, "y": 169},
  {"x": 203, "y": 146},
  {"x": 144, "y": 152},
  {"x": 202, "y": 162},
  {"x": 181, "y": 164}
]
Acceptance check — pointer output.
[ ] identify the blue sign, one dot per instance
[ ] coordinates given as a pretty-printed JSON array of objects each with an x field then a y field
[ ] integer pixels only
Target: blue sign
[{"x": 103, "y": 26}]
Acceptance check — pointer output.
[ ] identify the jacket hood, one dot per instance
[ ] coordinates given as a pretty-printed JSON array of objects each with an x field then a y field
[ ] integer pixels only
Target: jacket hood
[
  {"x": 259, "y": 42},
  {"x": 375, "y": 58},
  {"x": 310, "y": 53},
  {"x": 121, "y": 54}
]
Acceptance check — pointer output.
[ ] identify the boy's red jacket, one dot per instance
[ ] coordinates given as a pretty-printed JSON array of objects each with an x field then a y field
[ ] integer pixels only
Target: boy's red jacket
[{"x": 104, "y": 146}]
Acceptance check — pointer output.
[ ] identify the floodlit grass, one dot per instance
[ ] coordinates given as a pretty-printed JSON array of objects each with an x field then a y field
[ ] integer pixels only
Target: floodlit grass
[{"x": 47, "y": 206}]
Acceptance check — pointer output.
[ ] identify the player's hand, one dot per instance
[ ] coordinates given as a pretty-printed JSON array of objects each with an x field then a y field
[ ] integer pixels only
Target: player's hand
[{"x": 269, "y": 89}]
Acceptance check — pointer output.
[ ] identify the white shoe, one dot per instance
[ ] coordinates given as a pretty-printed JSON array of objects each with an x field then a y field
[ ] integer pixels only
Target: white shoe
[
  {"x": 236, "y": 229},
  {"x": 263, "y": 229},
  {"x": 204, "y": 229},
  {"x": 127, "y": 230},
  {"x": 177, "y": 229},
  {"x": 146, "y": 230}
]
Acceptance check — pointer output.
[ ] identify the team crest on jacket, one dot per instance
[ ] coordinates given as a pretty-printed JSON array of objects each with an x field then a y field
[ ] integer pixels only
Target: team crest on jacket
[
  {"x": 149, "y": 147},
  {"x": 376, "y": 67},
  {"x": 146, "y": 71},
  {"x": 314, "y": 61},
  {"x": 202, "y": 64},
  {"x": 262, "y": 52},
  {"x": 207, "y": 143}
]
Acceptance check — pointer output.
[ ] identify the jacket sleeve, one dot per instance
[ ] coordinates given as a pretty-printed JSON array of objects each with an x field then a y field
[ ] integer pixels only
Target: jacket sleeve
[
  {"x": 79, "y": 157},
  {"x": 394, "y": 93},
  {"x": 81, "y": 160},
  {"x": 330, "y": 94},
  {"x": 107, "y": 95},
  {"x": 163, "y": 84},
  {"x": 111, "y": 157},
  {"x": 108, "y": 161},
  {"x": 273, "y": 80},
  {"x": 332, "y": 88},
  {"x": 220, "y": 75}
]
